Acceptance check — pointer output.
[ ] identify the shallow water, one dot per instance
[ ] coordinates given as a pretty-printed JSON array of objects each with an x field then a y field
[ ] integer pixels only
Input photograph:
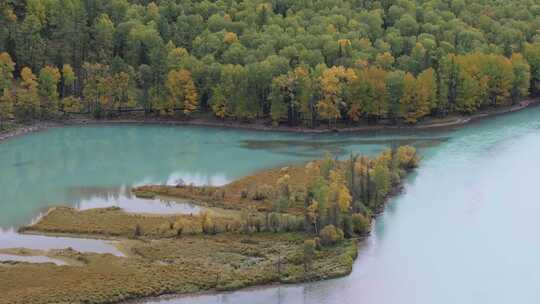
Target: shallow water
[
  {"x": 123, "y": 198},
  {"x": 463, "y": 231},
  {"x": 11, "y": 239},
  {"x": 30, "y": 259}
]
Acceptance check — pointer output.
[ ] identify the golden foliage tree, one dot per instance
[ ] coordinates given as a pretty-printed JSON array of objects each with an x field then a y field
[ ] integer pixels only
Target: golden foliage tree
[
  {"x": 334, "y": 84},
  {"x": 230, "y": 37},
  {"x": 27, "y": 102},
  {"x": 7, "y": 66},
  {"x": 419, "y": 95},
  {"x": 182, "y": 92},
  {"x": 6, "y": 107}
]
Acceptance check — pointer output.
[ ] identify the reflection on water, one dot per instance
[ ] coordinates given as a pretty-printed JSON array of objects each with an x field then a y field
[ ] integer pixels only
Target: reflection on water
[
  {"x": 123, "y": 198},
  {"x": 76, "y": 166},
  {"x": 313, "y": 148},
  {"x": 9, "y": 238},
  {"x": 325, "y": 144},
  {"x": 31, "y": 259},
  {"x": 197, "y": 179},
  {"x": 281, "y": 294}
]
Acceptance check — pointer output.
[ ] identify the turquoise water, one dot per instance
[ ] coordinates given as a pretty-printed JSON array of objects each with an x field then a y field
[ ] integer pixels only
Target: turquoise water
[
  {"x": 95, "y": 166},
  {"x": 464, "y": 231}
]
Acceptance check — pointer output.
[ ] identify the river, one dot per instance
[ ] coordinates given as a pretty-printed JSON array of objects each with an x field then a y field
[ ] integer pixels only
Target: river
[{"x": 462, "y": 232}]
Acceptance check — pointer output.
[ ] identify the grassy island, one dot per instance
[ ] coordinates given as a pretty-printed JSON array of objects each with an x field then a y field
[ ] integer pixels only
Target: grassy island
[{"x": 293, "y": 224}]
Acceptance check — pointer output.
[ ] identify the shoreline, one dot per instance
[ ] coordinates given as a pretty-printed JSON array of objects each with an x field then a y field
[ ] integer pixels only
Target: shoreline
[{"x": 261, "y": 126}]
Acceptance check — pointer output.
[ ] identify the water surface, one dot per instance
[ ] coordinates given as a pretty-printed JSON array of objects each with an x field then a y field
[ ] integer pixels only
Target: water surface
[
  {"x": 94, "y": 166},
  {"x": 463, "y": 232},
  {"x": 9, "y": 238},
  {"x": 30, "y": 259}
]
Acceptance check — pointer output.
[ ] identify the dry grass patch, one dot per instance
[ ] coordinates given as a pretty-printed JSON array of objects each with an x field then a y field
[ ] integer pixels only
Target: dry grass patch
[
  {"x": 256, "y": 191},
  {"x": 117, "y": 223},
  {"x": 183, "y": 265}
]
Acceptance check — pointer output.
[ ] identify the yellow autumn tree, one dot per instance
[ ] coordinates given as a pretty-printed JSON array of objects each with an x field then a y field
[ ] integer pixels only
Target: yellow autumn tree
[
  {"x": 334, "y": 83},
  {"x": 426, "y": 90},
  {"x": 230, "y": 38},
  {"x": 339, "y": 197},
  {"x": 27, "y": 102},
  {"x": 345, "y": 47},
  {"x": 182, "y": 92},
  {"x": 7, "y": 66},
  {"x": 339, "y": 191},
  {"x": 6, "y": 107},
  {"x": 120, "y": 93},
  {"x": 408, "y": 104},
  {"x": 384, "y": 60},
  {"x": 68, "y": 80}
]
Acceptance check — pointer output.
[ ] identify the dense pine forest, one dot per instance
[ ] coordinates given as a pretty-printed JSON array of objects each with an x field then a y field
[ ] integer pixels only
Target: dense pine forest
[{"x": 295, "y": 62}]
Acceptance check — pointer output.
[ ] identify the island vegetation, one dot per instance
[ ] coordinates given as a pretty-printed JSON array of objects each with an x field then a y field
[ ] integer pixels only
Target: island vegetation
[
  {"x": 292, "y": 224},
  {"x": 299, "y": 63}
]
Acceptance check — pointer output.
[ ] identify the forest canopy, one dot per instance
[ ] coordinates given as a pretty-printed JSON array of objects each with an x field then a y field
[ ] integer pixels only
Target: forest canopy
[{"x": 306, "y": 62}]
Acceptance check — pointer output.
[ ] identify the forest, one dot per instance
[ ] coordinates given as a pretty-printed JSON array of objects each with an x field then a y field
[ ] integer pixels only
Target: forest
[{"x": 295, "y": 62}]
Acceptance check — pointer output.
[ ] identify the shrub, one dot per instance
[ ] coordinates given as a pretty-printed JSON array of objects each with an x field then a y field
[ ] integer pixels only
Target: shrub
[
  {"x": 347, "y": 226},
  {"x": 262, "y": 192},
  {"x": 299, "y": 194},
  {"x": 179, "y": 226},
  {"x": 244, "y": 193},
  {"x": 330, "y": 235},
  {"x": 165, "y": 228},
  {"x": 207, "y": 224},
  {"x": 288, "y": 223},
  {"x": 137, "y": 232},
  {"x": 361, "y": 224},
  {"x": 144, "y": 194},
  {"x": 258, "y": 223},
  {"x": 317, "y": 241},
  {"x": 407, "y": 157},
  {"x": 218, "y": 194},
  {"x": 309, "y": 253},
  {"x": 274, "y": 222}
]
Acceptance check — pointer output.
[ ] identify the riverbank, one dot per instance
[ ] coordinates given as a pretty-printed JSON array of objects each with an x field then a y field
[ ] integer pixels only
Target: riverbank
[{"x": 266, "y": 126}]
